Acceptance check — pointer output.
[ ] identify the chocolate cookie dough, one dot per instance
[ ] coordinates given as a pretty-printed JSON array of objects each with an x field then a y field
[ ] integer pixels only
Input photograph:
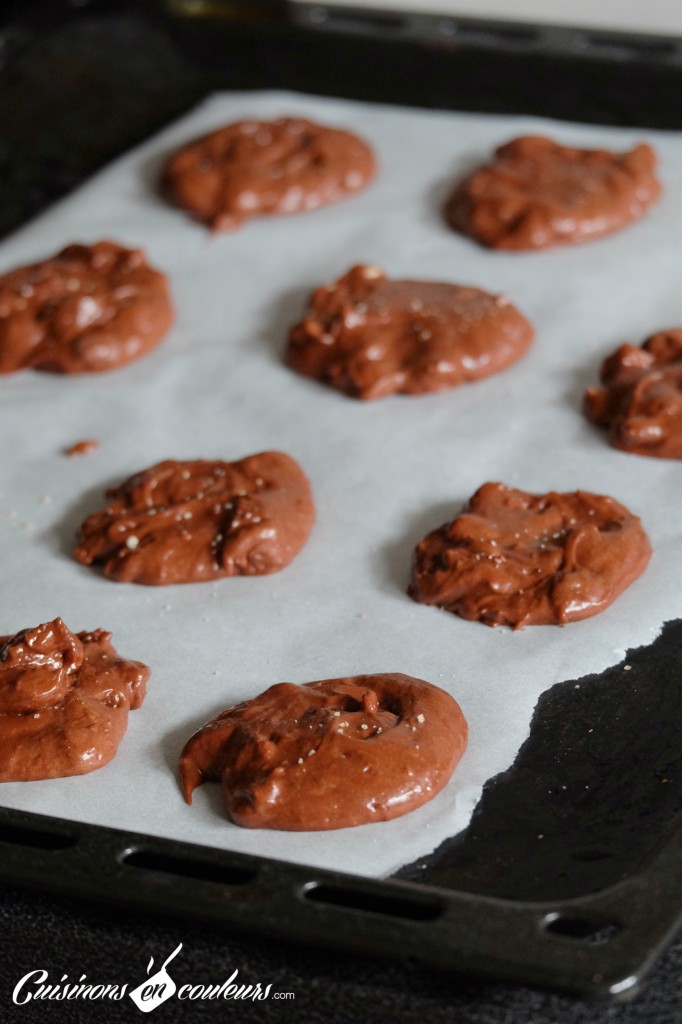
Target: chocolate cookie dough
[
  {"x": 253, "y": 168},
  {"x": 187, "y": 522},
  {"x": 640, "y": 403},
  {"x": 88, "y": 309},
  {"x": 517, "y": 559},
  {"x": 329, "y": 754},
  {"x": 536, "y": 193},
  {"x": 370, "y": 337},
  {"x": 64, "y": 701}
]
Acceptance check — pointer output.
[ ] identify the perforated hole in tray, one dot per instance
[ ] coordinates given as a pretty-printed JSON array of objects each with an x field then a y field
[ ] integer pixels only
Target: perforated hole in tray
[
  {"x": 194, "y": 868},
  {"x": 582, "y": 929},
  {"x": 375, "y": 903},
  {"x": 36, "y": 839}
]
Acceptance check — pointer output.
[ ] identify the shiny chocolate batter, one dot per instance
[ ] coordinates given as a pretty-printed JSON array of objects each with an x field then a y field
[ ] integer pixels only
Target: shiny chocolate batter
[
  {"x": 640, "y": 403},
  {"x": 536, "y": 193},
  {"x": 518, "y": 559},
  {"x": 253, "y": 168},
  {"x": 187, "y": 522},
  {"x": 64, "y": 701},
  {"x": 370, "y": 337},
  {"x": 89, "y": 309},
  {"x": 329, "y": 754}
]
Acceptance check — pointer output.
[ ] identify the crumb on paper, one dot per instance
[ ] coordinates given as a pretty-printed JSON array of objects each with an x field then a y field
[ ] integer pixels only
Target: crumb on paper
[{"x": 82, "y": 448}]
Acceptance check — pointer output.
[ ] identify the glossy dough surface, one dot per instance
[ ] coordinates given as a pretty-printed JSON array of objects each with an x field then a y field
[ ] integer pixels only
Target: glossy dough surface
[
  {"x": 187, "y": 522},
  {"x": 535, "y": 193},
  {"x": 253, "y": 168},
  {"x": 640, "y": 401},
  {"x": 89, "y": 309},
  {"x": 369, "y": 336},
  {"x": 518, "y": 559},
  {"x": 329, "y": 754},
  {"x": 64, "y": 701}
]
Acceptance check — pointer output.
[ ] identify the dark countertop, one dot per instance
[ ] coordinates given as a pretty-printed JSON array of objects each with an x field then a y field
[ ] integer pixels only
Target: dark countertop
[{"x": 73, "y": 94}]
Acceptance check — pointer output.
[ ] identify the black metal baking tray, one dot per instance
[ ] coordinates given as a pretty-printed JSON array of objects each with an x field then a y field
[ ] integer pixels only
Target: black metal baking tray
[{"x": 579, "y": 893}]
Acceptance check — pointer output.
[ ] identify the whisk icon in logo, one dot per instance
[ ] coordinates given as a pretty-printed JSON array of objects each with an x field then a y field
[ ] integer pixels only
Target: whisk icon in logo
[{"x": 157, "y": 989}]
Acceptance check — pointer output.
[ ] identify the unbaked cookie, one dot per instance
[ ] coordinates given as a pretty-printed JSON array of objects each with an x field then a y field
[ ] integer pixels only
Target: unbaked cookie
[
  {"x": 89, "y": 308},
  {"x": 187, "y": 522},
  {"x": 64, "y": 701},
  {"x": 518, "y": 559},
  {"x": 640, "y": 403},
  {"x": 369, "y": 336},
  {"x": 329, "y": 754},
  {"x": 253, "y": 168},
  {"x": 536, "y": 193}
]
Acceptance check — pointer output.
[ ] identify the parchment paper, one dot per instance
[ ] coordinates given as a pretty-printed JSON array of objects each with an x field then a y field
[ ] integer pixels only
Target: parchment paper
[{"x": 383, "y": 473}]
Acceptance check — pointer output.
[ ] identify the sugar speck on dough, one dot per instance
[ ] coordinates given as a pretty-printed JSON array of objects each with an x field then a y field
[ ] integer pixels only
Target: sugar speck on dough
[{"x": 132, "y": 541}]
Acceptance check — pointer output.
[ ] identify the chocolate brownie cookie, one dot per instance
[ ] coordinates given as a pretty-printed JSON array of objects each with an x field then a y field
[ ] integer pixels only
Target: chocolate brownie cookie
[
  {"x": 329, "y": 754},
  {"x": 64, "y": 701},
  {"x": 88, "y": 309},
  {"x": 640, "y": 403},
  {"x": 187, "y": 522},
  {"x": 517, "y": 559},
  {"x": 370, "y": 337},
  {"x": 536, "y": 193},
  {"x": 253, "y": 168}
]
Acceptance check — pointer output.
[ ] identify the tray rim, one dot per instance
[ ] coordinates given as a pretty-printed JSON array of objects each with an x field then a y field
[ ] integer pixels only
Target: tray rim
[{"x": 440, "y": 928}]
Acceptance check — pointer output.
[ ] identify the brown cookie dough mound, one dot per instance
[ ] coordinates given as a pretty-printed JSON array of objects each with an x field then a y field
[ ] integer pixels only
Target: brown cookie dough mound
[
  {"x": 370, "y": 337},
  {"x": 88, "y": 309},
  {"x": 536, "y": 193},
  {"x": 518, "y": 559},
  {"x": 640, "y": 403},
  {"x": 329, "y": 754},
  {"x": 64, "y": 701},
  {"x": 253, "y": 168},
  {"x": 187, "y": 522}
]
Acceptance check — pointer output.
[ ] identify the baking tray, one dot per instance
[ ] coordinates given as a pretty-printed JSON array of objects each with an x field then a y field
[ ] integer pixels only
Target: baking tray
[{"x": 590, "y": 925}]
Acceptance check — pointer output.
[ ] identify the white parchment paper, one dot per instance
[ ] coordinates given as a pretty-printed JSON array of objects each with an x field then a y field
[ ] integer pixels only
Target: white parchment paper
[{"x": 383, "y": 473}]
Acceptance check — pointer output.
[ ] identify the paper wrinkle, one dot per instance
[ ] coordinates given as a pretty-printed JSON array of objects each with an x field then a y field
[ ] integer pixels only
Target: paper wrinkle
[{"x": 383, "y": 473}]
